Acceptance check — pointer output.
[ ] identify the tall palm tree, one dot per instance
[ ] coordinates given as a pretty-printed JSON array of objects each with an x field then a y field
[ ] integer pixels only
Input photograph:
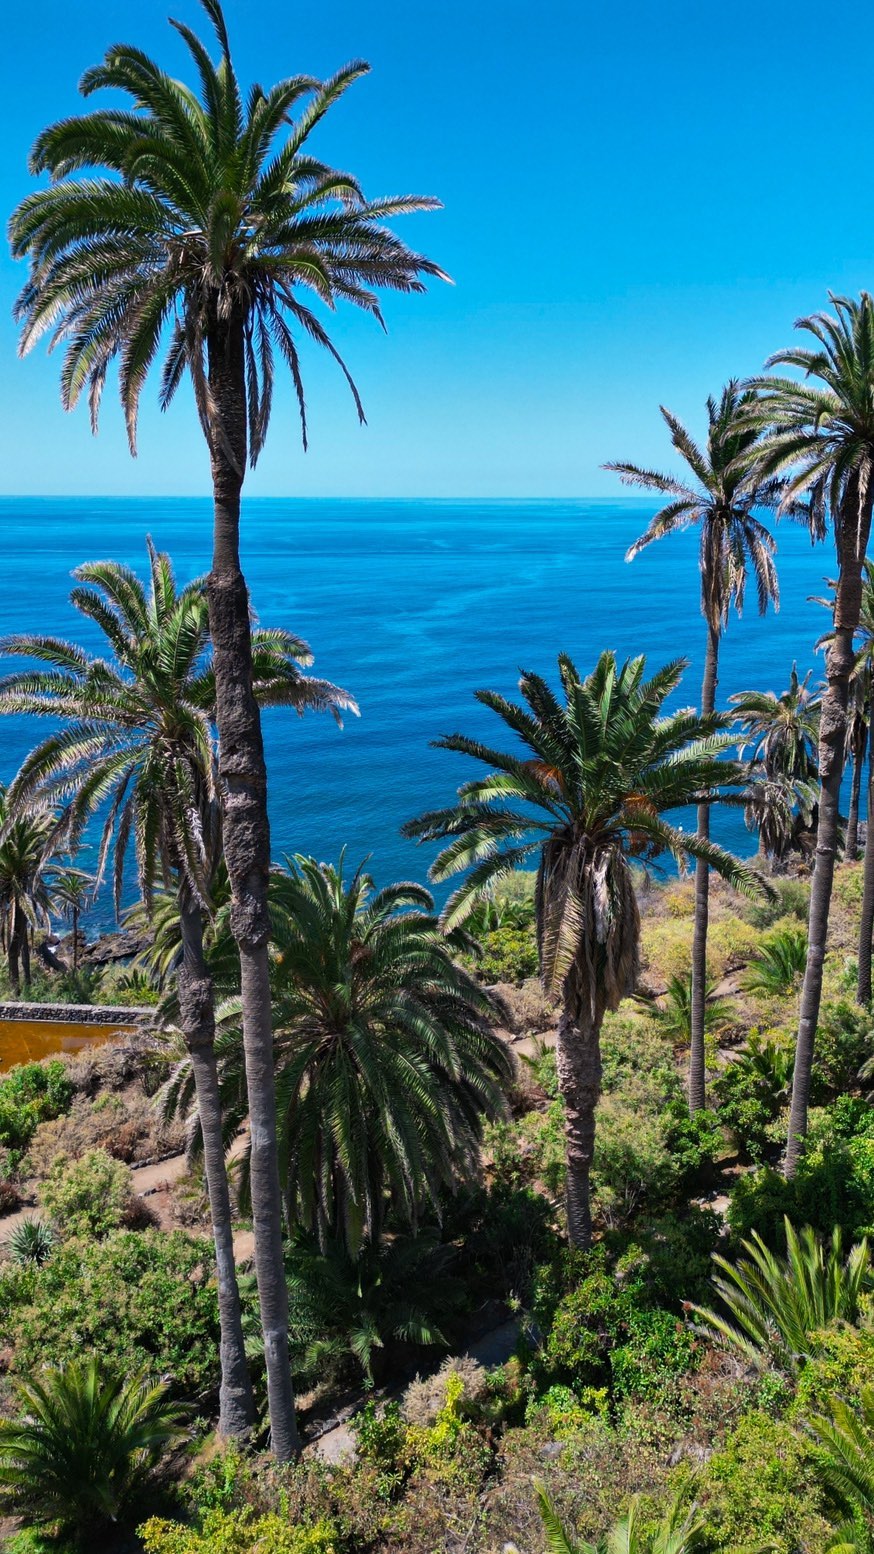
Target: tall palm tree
[
  {"x": 780, "y": 809},
  {"x": 136, "y": 744},
  {"x": 27, "y": 851},
  {"x": 781, "y": 733},
  {"x": 595, "y": 775},
  {"x": 858, "y": 733},
  {"x": 201, "y": 221},
  {"x": 820, "y": 429},
  {"x": 72, "y": 891},
  {"x": 386, "y": 1065},
  {"x": 721, "y": 502}
]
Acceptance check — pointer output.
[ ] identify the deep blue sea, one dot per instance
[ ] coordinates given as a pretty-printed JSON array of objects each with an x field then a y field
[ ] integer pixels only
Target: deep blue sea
[{"x": 413, "y": 605}]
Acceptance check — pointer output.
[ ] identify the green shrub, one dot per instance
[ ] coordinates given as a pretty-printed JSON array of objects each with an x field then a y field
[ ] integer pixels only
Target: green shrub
[
  {"x": 87, "y": 1197},
  {"x": 844, "y": 1041},
  {"x": 841, "y": 1364},
  {"x": 791, "y": 898},
  {"x": 237, "y": 1532},
  {"x": 143, "y": 1299},
  {"x": 669, "y": 1258},
  {"x": 31, "y": 1094},
  {"x": 509, "y": 954},
  {"x": 563, "y": 1411},
  {"x": 752, "y": 1090},
  {"x": 657, "y": 1349},
  {"x": 760, "y": 1490},
  {"x": 833, "y": 1185}
]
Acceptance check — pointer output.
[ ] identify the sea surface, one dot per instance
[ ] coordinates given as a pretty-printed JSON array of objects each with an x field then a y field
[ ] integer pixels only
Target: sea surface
[{"x": 411, "y": 606}]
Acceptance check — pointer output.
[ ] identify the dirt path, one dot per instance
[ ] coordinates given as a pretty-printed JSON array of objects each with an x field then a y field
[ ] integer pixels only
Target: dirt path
[{"x": 154, "y": 1184}]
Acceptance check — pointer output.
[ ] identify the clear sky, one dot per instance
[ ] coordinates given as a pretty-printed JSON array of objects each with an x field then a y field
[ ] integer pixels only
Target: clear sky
[{"x": 639, "y": 200}]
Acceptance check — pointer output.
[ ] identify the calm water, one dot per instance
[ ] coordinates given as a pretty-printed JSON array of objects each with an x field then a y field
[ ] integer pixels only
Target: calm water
[
  {"x": 27, "y": 1041},
  {"x": 412, "y": 606}
]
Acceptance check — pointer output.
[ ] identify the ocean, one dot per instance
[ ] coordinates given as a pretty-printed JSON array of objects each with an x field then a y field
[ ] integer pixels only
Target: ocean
[{"x": 413, "y": 605}]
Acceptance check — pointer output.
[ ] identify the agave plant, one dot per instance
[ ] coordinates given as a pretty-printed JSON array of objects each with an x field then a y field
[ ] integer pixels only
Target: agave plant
[
  {"x": 775, "y": 1305},
  {"x": 32, "y": 1242},
  {"x": 778, "y": 963},
  {"x": 845, "y": 1462},
  {"x": 85, "y": 1445},
  {"x": 680, "y": 1531}
]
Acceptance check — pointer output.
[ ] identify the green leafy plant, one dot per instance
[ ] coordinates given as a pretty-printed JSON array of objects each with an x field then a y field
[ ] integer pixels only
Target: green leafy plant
[
  {"x": 30, "y": 1094},
  {"x": 84, "y": 1446},
  {"x": 238, "y": 1532},
  {"x": 775, "y": 1306},
  {"x": 87, "y": 1197},
  {"x": 752, "y": 1089}
]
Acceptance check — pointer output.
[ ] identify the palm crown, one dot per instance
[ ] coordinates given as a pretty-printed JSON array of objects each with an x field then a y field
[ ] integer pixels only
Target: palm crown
[
  {"x": 385, "y": 1061},
  {"x": 721, "y": 502},
  {"x": 783, "y": 730},
  {"x": 822, "y": 430},
  {"x": 595, "y": 779},
  {"x": 204, "y": 207},
  {"x": 136, "y": 738}
]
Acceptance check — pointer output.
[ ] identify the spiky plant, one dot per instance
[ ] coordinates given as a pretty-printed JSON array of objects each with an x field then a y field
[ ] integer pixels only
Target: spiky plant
[
  {"x": 134, "y": 745},
  {"x": 197, "y": 224},
  {"x": 778, "y": 963},
  {"x": 584, "y": 791},
  {"x": 845, "y": 1462},
  {"x": 32, "y": 1242},
  {"x": 83, "y": 1447},
  {"x": 721, "y": 502},
  {"x": 680, "y": 1530},
  {"x": 386, "y": 1065},
  {"x": 674, "y": 1013},
  {"x": 818, "y": 431},
  {"x": 774, "y": 1306}
]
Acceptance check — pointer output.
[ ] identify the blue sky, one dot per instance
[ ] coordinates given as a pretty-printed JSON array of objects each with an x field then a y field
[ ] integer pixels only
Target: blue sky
[{"x": 639, "y": 200}]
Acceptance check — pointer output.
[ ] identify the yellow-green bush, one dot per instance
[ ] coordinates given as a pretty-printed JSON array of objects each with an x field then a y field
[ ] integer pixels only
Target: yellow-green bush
[
  {"x": 761, "y": 1489},
  {"x": 237, "y": 1532}
]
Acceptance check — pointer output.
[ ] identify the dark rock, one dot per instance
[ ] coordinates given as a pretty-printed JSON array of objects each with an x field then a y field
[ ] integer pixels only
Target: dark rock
[{"x": 110, "y": 947}]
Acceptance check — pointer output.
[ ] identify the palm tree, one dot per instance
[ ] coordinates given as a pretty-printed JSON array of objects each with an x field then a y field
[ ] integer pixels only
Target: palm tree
[
  {"x": 679, "y": 1531},
  {"x": 136, "y": 744},
  {"x": 858, "y": 733},
  {"x": 85, "y": 1446},
  {"x": 72, "y": 891},
  {"x": 780, "y": 809},
  {"x": 776, "y": 1306},
  {"x": 782, "y": 731},
  {"x": 722, "y": 503},
  {"x": 27, "y": 850},
  {"x": 386, "y": 1065},
  {"x": 821, "y": 429},
  {"x": 845, "y": 1463},
  {"x": 595, "y": 777},
  {"x": 205, "y": 225}
]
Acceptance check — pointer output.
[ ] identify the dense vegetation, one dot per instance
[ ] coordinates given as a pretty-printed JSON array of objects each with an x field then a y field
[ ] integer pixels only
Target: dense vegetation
[{"x": 560, "y": 1194}]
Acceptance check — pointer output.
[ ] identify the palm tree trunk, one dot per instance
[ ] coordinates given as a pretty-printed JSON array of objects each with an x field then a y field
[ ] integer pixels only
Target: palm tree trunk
[
  {"x": 855, "y": 528},
  {"x": 866, "y": 923},
  {"x": 697, "y": 1092},
  {"x": 197, "y": 1020},
  {"x": 852, "y": 843},
  {"x": 75, "y": 938},
  {"x": 25, "y": 954},
  {"x": 578, "y": 1063},
  {"x": 246, "y": 831},
  {"x": 14, "y": 952}
]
